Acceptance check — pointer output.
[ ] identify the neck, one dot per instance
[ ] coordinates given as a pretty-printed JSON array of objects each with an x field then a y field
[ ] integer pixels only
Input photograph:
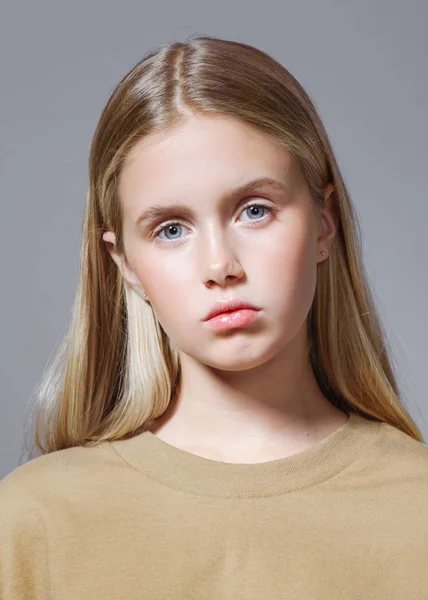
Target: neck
[{"x": 272, "y": 410}]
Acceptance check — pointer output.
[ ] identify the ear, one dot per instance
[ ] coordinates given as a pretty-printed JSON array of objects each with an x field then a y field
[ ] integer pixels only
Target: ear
[
  {"x": 327, "y": 228},
  {"x": 127, "y": 273}
]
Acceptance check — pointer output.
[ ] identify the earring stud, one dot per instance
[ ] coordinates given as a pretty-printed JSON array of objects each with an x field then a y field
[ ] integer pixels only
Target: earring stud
[{"x": 323, "y": 252}]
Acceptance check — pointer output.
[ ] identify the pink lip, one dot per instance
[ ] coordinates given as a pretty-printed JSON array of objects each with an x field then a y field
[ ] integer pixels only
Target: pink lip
[
  {"x": 229, "y": 305},
  {"x": 232, "y": 319}
]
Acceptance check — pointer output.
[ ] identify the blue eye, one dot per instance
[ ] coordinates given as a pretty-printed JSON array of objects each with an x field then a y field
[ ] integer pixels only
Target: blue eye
[
  {"x": 174, "y": 225},
  {"x": 256, "y": 206},
  {"x": 169, "y": 227}
]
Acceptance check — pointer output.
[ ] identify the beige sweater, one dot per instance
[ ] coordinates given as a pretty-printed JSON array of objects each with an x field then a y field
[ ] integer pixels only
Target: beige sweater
[{"x": 139, "y": 518}]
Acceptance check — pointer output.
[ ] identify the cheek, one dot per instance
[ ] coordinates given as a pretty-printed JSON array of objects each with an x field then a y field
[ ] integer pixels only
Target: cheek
[
  {"x": 169, "y": 282},
  {"x": 286, "y": 266},
  {"x": 171, "y": 287},
  {"x": 163, "y": 275}
]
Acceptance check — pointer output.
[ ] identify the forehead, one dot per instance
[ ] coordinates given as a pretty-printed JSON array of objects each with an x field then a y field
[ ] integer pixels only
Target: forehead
[{"x": 202, "y": 156}]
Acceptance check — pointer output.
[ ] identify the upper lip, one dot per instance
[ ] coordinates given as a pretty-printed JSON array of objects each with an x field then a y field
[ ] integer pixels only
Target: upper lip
[{"x": 228, "y": 305}]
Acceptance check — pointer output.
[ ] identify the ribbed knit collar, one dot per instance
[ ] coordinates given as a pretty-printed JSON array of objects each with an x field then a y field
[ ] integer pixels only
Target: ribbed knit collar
[{"x": 191, "y": 473}]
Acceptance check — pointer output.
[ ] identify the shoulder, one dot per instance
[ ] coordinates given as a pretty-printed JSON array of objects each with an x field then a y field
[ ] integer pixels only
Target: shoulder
[
  {"x": 50, "y": 478},
  {"x": 394, "y": 437},
  {"x": 32, "y": 497},
  {"x": 401, "y": 456}
]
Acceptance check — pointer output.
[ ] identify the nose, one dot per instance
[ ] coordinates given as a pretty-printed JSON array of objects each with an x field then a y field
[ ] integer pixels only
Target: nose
[{"x": 219, "y": 263}]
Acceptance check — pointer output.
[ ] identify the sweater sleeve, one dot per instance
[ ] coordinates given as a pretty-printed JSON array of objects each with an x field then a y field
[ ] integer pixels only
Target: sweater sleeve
[{"x": 23, "y": 544}]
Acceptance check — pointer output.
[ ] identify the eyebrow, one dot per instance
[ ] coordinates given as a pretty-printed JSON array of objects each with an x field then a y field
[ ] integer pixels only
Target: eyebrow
[{"x": 157, "y": 212}]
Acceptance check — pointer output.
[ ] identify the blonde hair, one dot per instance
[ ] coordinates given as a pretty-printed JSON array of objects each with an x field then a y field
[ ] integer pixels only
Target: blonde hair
[{"x": 116, "y": 370}]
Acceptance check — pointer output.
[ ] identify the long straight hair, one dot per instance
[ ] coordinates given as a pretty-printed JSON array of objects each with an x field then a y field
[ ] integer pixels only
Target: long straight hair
[{"x": 116, "y": 370}]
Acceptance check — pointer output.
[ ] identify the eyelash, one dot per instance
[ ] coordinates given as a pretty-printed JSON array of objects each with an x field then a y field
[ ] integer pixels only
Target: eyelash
[{"x": 163, "y": 226}]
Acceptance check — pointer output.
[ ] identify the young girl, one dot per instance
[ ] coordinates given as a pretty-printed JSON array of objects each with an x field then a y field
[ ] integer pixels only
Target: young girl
[{"x": 222, "y": 419}]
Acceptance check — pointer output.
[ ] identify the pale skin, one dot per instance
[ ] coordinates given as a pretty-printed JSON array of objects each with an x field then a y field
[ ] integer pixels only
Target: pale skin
[{"x": 247, "y": 395}]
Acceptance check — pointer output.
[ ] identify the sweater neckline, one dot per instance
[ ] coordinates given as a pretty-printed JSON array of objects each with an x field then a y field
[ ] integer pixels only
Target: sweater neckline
[{"x": 195, "y": 474}]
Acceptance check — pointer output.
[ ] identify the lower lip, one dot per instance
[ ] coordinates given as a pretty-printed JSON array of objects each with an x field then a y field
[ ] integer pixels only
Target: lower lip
[{"x": 232, "y": 319}]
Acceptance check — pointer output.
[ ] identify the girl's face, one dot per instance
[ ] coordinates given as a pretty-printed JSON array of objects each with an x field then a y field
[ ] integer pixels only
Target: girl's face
[{"x": 203, "y": 243}]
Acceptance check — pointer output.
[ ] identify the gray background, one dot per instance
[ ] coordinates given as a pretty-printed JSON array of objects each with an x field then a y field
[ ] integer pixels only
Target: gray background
[{"x": 363, "y": 62}]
